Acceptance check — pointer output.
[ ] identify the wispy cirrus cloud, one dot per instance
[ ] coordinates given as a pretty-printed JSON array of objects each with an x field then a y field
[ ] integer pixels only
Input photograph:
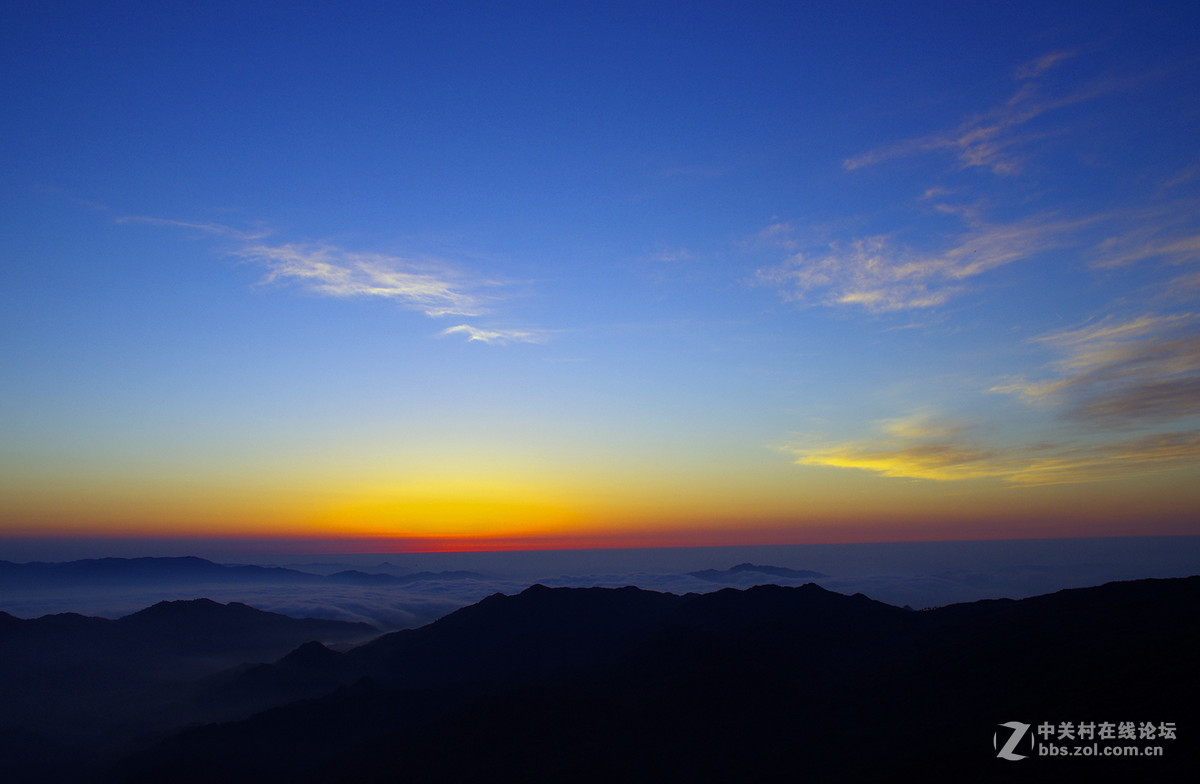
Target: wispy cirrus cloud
[
  {"x": 1184, "y": 288},
  {"x": 1097, "y": 462},
  {"x": 207, "y": 228},
  {"x": 935, "y": 451},
  {"x": 918, "y": 446},
  {"x": 1123, "y": 392},
  {"x": 1176, "y": 249},
  {"x": 1182, "y": 177},
  {"x": 433, "y": 286},
  {"x": 497, "y": 336},
  {"x": 1125, "y": 373},
  {"x": 992, "y": 140},
  {"x": 1166, "y": 233},
  {"x": 879, "y": 274},
  {"x": 1039, "y": 65},
  {"x": 1128, "y": 391},
  {"x": 335, "y": 272}
]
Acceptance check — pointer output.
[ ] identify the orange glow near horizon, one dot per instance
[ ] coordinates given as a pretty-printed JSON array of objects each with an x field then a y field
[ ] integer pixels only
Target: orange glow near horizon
[
  {"x": 974, "y": 319},
  {"x": 478, "y": 511},
  {"x": 712, "y": 534}
]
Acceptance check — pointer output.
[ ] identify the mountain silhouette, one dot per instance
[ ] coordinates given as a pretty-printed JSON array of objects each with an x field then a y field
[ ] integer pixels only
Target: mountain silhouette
[
  {"x": 187, "y": 570},
  {"x": 84, "y": 688},
  {"x": 355, "y": 577},
  {"x": 744, "y": 570},
  {"x": 573, "y": 684},
  {"x": 138, "y": 571}
]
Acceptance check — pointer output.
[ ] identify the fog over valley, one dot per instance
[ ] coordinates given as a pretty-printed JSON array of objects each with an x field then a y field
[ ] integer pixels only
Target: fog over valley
[{"x": 405, "y": 590}]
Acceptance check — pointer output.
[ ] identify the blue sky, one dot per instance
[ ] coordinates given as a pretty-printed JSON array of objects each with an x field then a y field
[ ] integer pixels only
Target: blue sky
[{"x": 600, "y": 273}]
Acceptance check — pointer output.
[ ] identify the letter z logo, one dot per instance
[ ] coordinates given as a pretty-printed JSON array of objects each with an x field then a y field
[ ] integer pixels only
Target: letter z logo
[{"x": 1018, "y": 732}]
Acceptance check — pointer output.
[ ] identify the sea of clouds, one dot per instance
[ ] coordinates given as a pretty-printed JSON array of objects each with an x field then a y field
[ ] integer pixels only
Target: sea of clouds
[{"x": 918, "y": 575}]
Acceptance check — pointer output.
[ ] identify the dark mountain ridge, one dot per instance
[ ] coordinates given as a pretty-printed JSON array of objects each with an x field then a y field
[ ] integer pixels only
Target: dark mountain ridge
[
  {"x": 87, "y": 687},
  {"x": 743, "y": 570},
  {"x": 624, "y": 684},
  {"x": 195, "y": 627},
  {"x": 189, "y": 570},
  {"x": 134, "y": 571}
]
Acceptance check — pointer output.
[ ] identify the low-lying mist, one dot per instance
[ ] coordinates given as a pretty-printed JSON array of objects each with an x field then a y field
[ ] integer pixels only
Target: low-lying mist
[{"x": 409, "y": 590}]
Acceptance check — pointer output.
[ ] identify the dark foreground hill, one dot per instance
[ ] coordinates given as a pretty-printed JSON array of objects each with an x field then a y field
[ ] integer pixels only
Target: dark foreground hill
[
  {"x": 76, "y": 690},
  {"x": 767, "y": 684}
]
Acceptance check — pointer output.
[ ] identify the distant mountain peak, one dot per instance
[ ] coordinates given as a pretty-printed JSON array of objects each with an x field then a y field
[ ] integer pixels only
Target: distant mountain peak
[
  {"x": 310, "y": 655},
  {"x": 743, "y": 570},
  {"x": 193, "y": 608}
]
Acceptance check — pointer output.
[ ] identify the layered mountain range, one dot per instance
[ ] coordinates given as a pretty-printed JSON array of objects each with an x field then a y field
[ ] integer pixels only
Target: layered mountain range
[
  {"x": 594, "y": 684},
  {"x": 110, "y": 572}
]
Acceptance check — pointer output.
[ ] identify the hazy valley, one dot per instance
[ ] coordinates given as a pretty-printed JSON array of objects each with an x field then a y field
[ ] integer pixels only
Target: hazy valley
[{"x": 599, "y": 684}]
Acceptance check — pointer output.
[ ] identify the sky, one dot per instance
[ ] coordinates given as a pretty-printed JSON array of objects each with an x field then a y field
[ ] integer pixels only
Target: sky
[{"x": 380, "y": 277}]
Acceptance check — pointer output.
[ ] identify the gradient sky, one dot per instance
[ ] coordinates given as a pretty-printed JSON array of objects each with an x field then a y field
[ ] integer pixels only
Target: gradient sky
[{"x": 472, "y": 275}]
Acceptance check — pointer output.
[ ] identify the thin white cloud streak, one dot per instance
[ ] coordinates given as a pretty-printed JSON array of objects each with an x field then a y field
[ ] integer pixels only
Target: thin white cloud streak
[
  {"x": 1040, "y": 65},
  {"x": 331, "y": 271},
  {"x": 919, "y": 446},
  {"x": 1121, "y": 373},
  {"x": 1142, "y": 243},
  {"x": 1165, "y": 232},
  {"x": 987, "y": 140},
  {"x": 671, "y": 256},
  {"x": 497, "y": 336},
  {"x": 1121, "y": 382},
  {"x": 1183, "y": 176},
  {"x": 944, "y": 452},
  {"x": 208, "y": 228},
  {"x": 429, "y": 285},
  {"x": 881, "y": 276},
  {"x": 780, "y": 234},
  {"x": 1184, "y": 288}
]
